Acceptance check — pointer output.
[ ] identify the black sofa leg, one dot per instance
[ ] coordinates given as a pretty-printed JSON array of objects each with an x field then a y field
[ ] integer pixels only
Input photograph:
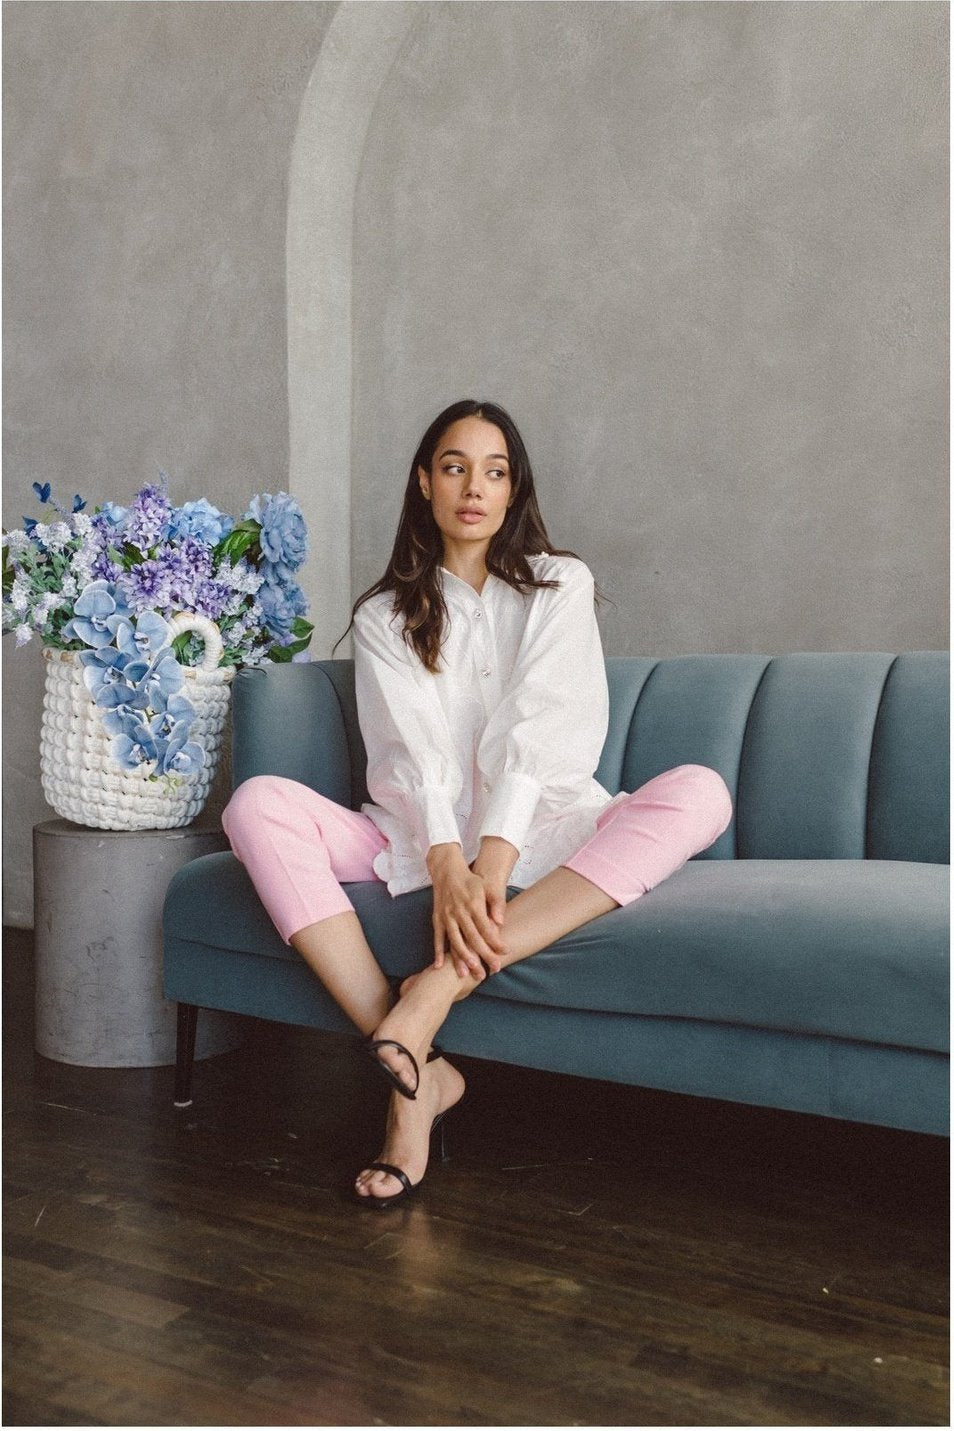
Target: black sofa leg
[{"x": 188, "y": 1017}]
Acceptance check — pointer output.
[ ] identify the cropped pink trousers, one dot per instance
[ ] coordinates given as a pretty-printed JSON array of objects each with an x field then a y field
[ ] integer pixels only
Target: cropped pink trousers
[{"x": 298, "y": 847}]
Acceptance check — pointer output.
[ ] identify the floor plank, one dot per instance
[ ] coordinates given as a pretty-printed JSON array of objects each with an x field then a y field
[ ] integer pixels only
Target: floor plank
[{"x": 592, "y": 1255}]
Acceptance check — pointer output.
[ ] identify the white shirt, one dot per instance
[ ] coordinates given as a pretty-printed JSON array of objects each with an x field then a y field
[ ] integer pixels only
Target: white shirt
[{"x": 503, "y": 740}]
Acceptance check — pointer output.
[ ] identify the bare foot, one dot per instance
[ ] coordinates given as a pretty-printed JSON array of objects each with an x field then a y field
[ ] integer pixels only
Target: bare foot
[{"x": 408, "y": 1133}]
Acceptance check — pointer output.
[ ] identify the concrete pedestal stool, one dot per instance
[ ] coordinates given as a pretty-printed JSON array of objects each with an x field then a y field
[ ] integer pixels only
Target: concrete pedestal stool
[{"x": 98, "y": 931}]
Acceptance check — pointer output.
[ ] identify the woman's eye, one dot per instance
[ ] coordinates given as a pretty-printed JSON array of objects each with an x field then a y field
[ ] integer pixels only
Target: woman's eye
[{"x": 496, "y": 472}]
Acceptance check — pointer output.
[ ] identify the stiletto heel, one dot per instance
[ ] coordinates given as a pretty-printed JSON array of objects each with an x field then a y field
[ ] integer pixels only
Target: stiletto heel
[
  {"x": 439, "y": 1128},
  {"x": 371, "y": 1200}
]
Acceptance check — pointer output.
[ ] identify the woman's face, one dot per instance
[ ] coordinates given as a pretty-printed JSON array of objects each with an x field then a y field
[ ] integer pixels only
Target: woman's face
[{"x": 469, "y": 485}]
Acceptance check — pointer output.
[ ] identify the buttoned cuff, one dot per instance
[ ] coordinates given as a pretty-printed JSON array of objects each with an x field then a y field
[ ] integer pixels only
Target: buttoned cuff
[
  {"x": 438, "y": 823},
  {"x": 511, "y": 808}
]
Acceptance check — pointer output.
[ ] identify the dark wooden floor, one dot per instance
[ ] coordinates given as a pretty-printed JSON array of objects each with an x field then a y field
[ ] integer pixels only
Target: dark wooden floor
[{"x": 593, "y": 1255}]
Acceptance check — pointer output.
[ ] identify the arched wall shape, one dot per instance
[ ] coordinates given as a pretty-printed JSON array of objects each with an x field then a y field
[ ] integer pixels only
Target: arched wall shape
[{"x": 359, "y": 48}]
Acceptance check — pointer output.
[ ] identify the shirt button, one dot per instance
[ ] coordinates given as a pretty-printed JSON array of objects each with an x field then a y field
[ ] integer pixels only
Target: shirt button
[
  {"x": 486, "y": 786},
  {"x": 485, "y": 671},
  {"x": 478, "y": 615}
]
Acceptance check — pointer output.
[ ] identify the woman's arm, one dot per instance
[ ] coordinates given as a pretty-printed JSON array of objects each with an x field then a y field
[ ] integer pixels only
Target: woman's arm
[
  {"x": 413, "y": 769},
  {"x": 414, "y": 773},
  {"x": 547, "y": 734}
]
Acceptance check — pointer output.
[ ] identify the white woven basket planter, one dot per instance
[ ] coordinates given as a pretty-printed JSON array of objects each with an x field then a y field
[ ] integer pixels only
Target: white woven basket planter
[{"x": 79, "y": 776}]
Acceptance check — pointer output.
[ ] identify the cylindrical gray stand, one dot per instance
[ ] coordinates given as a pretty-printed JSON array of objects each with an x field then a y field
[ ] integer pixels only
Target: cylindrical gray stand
[{"x": 98, "y": 930}]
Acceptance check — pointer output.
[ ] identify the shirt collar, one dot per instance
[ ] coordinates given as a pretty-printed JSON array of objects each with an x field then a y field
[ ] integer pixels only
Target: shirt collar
[{"x": 454, "y": 583}]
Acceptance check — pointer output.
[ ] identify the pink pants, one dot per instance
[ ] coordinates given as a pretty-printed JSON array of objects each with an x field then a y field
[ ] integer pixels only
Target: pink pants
[{"x": 299, "y": 846}]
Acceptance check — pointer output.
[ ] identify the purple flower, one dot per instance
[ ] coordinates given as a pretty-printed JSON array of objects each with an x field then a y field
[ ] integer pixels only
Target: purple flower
[
  {"x": 146, "y": 586},
  {"x": 284, "y": 537},
  {"x": 148, "y": 519},
  {"x": 211, "y": 599}
]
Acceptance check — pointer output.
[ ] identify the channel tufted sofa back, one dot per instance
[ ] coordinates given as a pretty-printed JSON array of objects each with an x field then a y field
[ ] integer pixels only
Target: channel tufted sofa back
[{"x": 829, "y": 755}]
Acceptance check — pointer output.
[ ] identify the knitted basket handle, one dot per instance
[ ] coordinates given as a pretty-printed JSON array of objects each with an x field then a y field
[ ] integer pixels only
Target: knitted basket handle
[{"x": 189, "y": 621}]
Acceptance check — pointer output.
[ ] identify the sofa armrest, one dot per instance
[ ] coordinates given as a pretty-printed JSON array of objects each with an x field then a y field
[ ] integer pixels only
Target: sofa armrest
[{"x": 292, "y": 720}]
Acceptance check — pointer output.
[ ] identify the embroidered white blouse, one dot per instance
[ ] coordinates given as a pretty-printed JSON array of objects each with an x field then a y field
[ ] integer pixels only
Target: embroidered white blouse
[{"x": 503, "y": 740}]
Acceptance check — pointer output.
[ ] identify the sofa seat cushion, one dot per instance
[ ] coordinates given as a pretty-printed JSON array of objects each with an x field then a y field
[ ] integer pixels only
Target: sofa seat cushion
[
  {"x": 851, "y": 948},
  {"x": 854, "y": 949}
]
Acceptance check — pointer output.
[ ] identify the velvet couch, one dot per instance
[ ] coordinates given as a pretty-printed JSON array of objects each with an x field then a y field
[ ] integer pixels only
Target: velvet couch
[{"x": 799, "y": 963}]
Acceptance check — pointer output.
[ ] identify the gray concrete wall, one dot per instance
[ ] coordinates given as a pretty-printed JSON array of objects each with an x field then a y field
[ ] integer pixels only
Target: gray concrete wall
[
  {"x": 699, "y": 251},
  {"x": 146, "y": 154}
]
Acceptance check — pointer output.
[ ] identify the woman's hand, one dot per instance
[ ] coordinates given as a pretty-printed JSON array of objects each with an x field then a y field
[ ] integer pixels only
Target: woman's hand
[
  {"x": 494, "y": 865},
  {"x": 463, "y": 926}
]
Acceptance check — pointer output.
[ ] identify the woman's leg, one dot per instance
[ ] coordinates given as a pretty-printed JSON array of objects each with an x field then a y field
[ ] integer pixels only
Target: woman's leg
[
  {"x": 638, "y": 843},
  {"x": 297, "y": 846}
]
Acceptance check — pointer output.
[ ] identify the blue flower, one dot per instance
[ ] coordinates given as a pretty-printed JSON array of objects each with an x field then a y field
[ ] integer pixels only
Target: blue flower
[
  {"x": 130, "y": 753},
  {"x": 163, "y": 679},
  {"x": 94, "y": 605},
  {"x": 107, "y": 686},
  {"x": 280, "y": 605},
  {"x": 109, "y": 515},
  {"x": 181, "y": 756},
  {"x": 178, "y": 712},
  {"x": 146, "y": 639},
  {"x": 78, "y": 503},
  {"x": 284, "y": 537},
  {"x": 201, "y": 520},
  {"x": 121, "y": 720},
  {"x": 42, "y": 492}
]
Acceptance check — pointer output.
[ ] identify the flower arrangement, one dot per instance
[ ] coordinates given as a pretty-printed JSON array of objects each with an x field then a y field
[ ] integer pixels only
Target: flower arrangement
[{"x": 110, "y": 587}]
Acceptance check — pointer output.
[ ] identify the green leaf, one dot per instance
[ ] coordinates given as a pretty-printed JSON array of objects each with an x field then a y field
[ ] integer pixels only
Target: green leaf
[
  {"x": 285, "y": 653},
  {"x": 131, "y": 556},
  {"x": 238, "y": 542},
  {"x": 301, "y": 627}
]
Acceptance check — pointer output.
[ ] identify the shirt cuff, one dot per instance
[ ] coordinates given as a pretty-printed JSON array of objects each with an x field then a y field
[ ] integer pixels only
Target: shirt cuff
[
  {"x": 511, "y": 808},
  {"x": 438, "y": 823}
]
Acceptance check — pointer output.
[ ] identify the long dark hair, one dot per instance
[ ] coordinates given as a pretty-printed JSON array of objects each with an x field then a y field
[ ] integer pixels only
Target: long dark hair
[{"x": 413, "y": 573}]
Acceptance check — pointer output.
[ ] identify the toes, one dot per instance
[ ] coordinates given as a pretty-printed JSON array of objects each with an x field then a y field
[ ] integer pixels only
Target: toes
[{"x": 371, "y": 1181}]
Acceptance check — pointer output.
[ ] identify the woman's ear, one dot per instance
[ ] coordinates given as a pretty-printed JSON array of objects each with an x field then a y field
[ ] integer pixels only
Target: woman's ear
[{"x": 425, "y": 481}]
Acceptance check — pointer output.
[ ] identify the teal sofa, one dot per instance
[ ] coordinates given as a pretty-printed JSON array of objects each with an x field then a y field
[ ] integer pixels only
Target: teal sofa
[{"x": 799, "y": 963}]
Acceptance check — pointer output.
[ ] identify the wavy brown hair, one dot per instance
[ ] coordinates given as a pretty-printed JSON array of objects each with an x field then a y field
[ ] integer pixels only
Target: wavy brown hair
[{"x": 413, "y": 572}]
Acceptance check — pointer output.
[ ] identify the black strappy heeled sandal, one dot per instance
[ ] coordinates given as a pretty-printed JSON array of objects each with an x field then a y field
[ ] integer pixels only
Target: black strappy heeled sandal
[
  {"x": 371, "y": 1200},
  {"x": 373, "y": 1044}
]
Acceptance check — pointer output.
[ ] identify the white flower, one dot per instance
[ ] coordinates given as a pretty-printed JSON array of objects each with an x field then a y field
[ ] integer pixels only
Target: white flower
[
  {"x": 48, "y": 602},
  {"x": 17, "y": 543},
  {"x": 57, "y": 536},
  {"x": 23, "y": 635},
  {"x": 69, "y": 587},
  {"x": 240, "y": 577},
  {"x": 82, "y": 524},
  {"x": 20, "y": 595},
  {"x": 82, "y": 566},
  {"x": 41, "y": 533}
]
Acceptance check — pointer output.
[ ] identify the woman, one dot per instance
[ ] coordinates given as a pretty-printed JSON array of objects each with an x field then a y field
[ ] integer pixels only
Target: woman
[{"x": 483, "y": 704}]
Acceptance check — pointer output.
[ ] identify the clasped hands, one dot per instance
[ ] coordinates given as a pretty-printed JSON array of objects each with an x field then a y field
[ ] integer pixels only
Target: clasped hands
[{"x": 470, "y": 905}]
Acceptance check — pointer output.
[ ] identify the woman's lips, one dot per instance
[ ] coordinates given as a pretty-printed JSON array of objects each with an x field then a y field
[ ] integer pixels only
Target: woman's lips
[{"x": 471, "y": 517}]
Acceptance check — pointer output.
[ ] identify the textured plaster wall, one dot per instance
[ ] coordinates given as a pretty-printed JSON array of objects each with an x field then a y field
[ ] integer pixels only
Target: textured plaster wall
[
  {"x": 699, "y": 251},
  {"x": 145, "y": 191}
]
